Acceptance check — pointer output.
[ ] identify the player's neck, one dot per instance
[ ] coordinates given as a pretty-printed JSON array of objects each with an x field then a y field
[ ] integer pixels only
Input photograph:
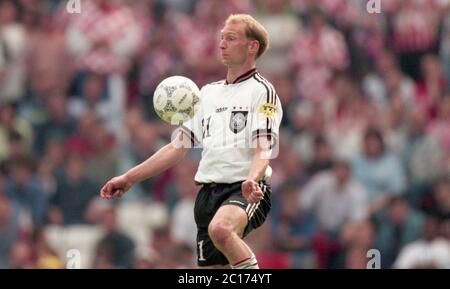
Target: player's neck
[{"x": 236, "y": 71}]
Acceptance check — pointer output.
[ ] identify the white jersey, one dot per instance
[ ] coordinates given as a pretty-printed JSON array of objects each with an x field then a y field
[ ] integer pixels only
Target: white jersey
[{"x": 229, "y": 118}]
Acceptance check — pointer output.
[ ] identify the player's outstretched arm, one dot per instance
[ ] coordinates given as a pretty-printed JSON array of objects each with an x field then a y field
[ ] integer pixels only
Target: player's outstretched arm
[
  {"x": 163, "y": 159},
  {"x": 260, "y": 160}
]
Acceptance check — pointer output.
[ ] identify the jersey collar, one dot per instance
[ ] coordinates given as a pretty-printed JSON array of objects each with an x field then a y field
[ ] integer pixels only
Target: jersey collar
[{"x": 243, "y": 76}]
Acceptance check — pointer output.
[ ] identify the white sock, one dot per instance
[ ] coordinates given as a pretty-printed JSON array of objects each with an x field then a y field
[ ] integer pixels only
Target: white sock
[{"x": 249, "y": 263}]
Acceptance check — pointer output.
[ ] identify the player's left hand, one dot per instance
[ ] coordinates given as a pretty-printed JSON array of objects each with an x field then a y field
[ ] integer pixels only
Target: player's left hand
[{"x": 252, "y": 191}]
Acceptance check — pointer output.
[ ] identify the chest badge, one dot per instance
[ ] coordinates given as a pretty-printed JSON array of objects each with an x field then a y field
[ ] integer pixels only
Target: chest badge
[{"x": 238, "y": 121}]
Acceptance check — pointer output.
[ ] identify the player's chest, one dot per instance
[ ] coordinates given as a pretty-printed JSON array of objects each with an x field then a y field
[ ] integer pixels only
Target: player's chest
[{"x": 227, "y": 112}]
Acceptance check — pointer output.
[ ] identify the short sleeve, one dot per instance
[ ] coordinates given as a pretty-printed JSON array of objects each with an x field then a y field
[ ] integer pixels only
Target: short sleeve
[{"x": 266, "y": 113}]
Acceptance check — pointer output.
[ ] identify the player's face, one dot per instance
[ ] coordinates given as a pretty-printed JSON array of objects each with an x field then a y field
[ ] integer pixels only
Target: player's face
[{"x": 234, "y": 45}]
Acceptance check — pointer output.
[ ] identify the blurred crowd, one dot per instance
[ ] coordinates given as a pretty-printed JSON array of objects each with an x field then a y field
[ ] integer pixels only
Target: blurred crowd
[{"x": 364, "y": 157}]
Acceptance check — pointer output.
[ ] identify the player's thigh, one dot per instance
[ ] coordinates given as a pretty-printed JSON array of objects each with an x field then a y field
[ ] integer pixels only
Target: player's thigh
[{"x": 231, "y": 216}]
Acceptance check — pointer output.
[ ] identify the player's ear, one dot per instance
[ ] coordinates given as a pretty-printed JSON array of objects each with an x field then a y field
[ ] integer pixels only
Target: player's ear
[{"x": 253, "y": 47}]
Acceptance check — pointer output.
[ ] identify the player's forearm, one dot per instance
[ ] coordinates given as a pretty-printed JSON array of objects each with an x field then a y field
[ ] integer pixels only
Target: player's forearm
[
  {"x": 258, "y": 166},
  {"x": 162, "y": 160}
]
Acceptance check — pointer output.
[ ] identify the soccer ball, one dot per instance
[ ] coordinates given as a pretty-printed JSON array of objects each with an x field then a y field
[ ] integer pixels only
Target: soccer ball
[{"x": 175, "y": 99}]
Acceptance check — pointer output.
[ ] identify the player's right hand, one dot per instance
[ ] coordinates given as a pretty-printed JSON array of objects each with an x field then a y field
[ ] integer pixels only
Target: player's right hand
[
  {"x": 115, "y": 187},
  {"x": 251, "y": 191}
]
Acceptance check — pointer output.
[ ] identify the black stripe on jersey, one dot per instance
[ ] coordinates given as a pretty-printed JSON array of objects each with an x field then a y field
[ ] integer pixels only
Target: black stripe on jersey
[
  {"x": 270, "y": 99},
  {"x": 274, "y": 94},
  {"x": 267, "y": 85},
  {"x": 260, "y": 132},
  {"x": 189, "y": 133},
  {"x": 271, "y": 136},
  {"x": 268, "y": 96}
]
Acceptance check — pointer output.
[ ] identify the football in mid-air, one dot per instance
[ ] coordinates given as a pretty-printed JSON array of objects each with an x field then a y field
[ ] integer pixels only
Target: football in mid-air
[{"x": 175, "y": 99}]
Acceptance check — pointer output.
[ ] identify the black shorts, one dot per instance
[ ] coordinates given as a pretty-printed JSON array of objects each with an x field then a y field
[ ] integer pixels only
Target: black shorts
[{"x": 209, "y": 199}]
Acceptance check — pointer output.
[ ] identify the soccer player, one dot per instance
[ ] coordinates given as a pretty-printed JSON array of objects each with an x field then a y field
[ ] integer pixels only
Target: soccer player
[{"x": 237, "y": 126}]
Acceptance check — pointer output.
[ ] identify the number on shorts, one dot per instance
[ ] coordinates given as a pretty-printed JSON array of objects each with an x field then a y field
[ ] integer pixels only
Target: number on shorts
[{"x": 200, "y": 251}]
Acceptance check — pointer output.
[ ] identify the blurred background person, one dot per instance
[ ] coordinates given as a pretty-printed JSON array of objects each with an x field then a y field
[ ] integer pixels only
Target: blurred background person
[
  {"x": 380, "y": 172},
  {"x": 74, "y": 195},
  {"x": 431, "y": 251},
  {"x": 398, "y": 225},
  {"x": 115, "y": 249},
  {"x": 294, "y": 228},
  {"x": 336, "y": 199}
]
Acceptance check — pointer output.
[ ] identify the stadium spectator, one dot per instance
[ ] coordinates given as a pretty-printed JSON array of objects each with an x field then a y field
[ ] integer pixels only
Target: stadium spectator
[
  {"x": 46, "y": 257},
  {"x": 115, "y": 250},
  {"x": 439, "y": 128},
  {"x": 415, "y": 33},
  {"x": 294, "y": 228},
  {"x": 74, "y": 194},
  {"x": 23, "y": 187},
  {"x": 58, "y": 125},
  {"x": 183, "y": 223},
  {"x": 335, "y": 199},
  {"x": 9, "y": 227},
  {"x": 13, "y": 48},
  {"x": 323, "y": 156},
  {"x": 397, "y": 226},
  {"x": 13, "y": 129},
  {"x": 422, "y": 157},
  {"x": 438, "y": 203},
  {"x": 49, "y": 66},
  {"x": 431, "y": 251},
  {"x": 356, "y": 239},
  {"x": 380, "y": 173},
  {"x": 104, "y": 37},
  {"x": 318, "y": 51}
]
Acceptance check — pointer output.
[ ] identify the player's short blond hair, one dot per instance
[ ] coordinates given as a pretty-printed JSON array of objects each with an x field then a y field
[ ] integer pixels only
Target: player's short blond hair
[{"x": 254, "y": 30}]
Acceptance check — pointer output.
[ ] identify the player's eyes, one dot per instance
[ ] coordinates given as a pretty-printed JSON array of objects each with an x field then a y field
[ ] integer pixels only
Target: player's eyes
[{"x": 227, "y": 38}]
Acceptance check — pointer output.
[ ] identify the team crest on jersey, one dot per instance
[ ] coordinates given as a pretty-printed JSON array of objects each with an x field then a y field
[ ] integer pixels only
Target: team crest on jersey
[
  {"x": 238, "y": 121},
  {"x": 268, "y": 110}
]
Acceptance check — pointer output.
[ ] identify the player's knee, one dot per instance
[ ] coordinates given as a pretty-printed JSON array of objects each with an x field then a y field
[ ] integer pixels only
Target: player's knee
[{"x": 220, "y": 232}]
